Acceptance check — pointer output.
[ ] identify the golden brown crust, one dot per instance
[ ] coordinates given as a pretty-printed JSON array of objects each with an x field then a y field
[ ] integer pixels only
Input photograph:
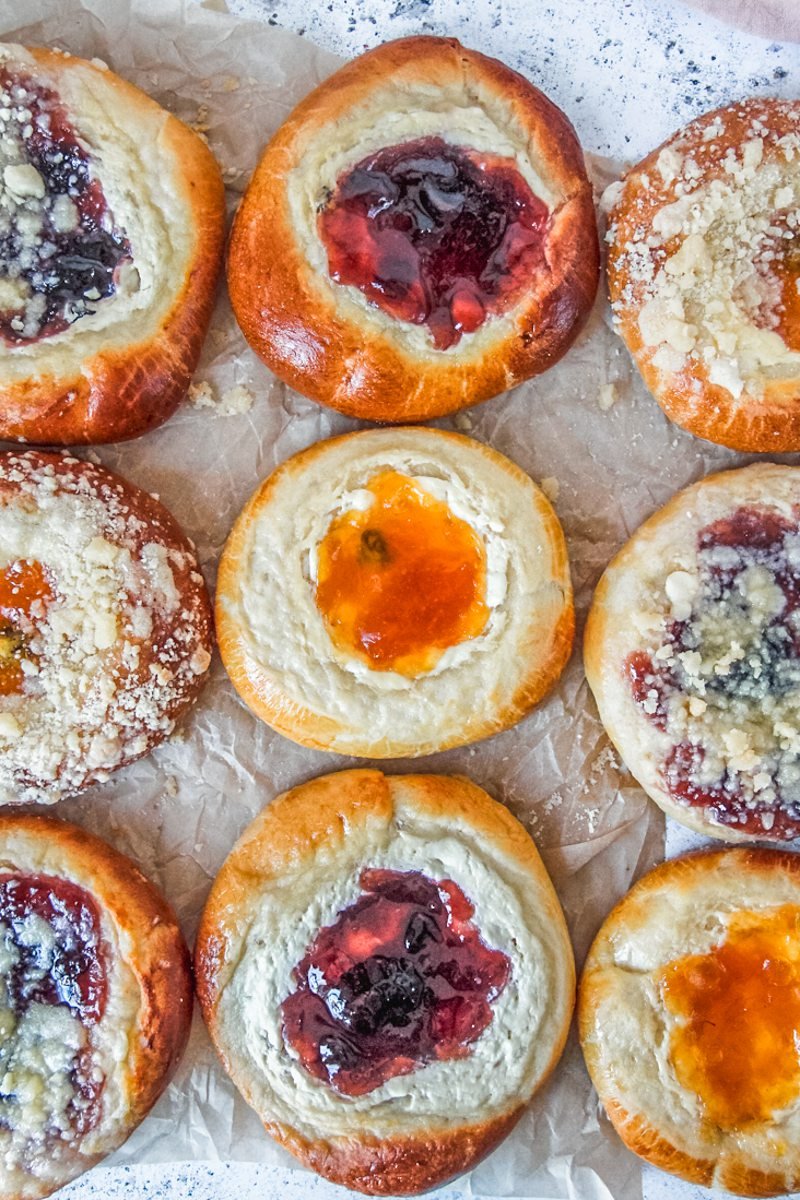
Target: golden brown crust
[
  {"x": 738, "y": 1162},
  {"x": 767, "y": 422},
  {"x": 122, "y": 391},
  {"x": 316, "y": 823},
  {"x": 151, "y": 944},
  {"x": 354, "y": 366},
  {"x": 147, "y": 695},
  {"x": 545, "y": 632}
]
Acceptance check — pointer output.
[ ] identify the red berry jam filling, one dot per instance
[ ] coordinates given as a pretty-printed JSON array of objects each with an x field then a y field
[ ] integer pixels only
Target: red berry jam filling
[
  {"x": 435, "y": 234},
  {"x": 401, "y": 979},
  {"x": 60, "y": 250},
  {"x": 726, "y": 680},
  {"x": 53, "y": 977}
]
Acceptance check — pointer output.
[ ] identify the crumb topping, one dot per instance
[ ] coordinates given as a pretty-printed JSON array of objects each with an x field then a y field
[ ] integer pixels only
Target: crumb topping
[
  {"x": 61, "y": 252},
  {"x": 114, "y": 653},
  {"x": 720, "y": 674},
  {"x": 710, "y": 269}
]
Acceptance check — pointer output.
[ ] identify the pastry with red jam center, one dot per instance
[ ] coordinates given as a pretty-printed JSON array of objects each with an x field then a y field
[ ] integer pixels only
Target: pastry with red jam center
[
  {"x": 689, "y": 1018},
  {"x": 103, "y": 302},
  {"x": 423, "y": 591},
  {"x": 95, "y": 1001},
  {"x": 386, "y": 973},
  {"x": 418, "y": 236},
  {"x": 105, "y": 625},
  {"x": 693, "y": 654}
]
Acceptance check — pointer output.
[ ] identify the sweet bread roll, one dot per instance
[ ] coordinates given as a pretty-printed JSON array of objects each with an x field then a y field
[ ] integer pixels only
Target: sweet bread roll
[
  {"x": 692, "y": 651},
  {"x": 95, "y": 1001},
  {"x": 386, "y": 973},
  {"x": 689, "y": 1015},
  {"x": 111, "y": 234},
  {"x": 105, "y": 625},
  {"x": 393, "y": 592},
  {"x": 704, "y": 274},
  {"x": 418, "y": 236}
]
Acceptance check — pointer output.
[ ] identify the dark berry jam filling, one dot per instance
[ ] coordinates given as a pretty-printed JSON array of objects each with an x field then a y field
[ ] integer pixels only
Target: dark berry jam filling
[
  {"x": 760, "y": 670},
  {"x": 401, "y": 979},
  {"x": 64, "y": 967},
  {"x": 435, "y": 234},
  {"x": 60, "y": 250}
]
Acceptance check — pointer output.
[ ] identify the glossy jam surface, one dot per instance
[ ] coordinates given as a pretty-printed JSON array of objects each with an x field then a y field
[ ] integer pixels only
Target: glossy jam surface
[
  {"x": 757, "y": 675},
  {"x": 401, "y": 979},
  {"x": 53, "y": 962},
  {"x": 402, "y": 580},
  {"x": 736, "y": 1042},
  {"x": 24, "y": 591},
  {"x": 60, "y": 251},
  {"x": 435, "y": 234},
  {"x": 75, "y": 974}
]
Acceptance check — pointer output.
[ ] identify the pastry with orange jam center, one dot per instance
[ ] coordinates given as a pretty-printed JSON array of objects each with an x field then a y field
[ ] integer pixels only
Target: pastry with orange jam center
[
  {"x": 105, "y": 625},
  {"x": 690, "y": 1019},
  {"x": 703, "y": 274},
  {"x": 402, "y": 580},
  {"x": 392, "y": 593}
]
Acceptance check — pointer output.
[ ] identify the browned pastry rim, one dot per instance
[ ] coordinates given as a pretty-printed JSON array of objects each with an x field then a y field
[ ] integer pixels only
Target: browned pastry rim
[
  {"x": 334, "y": 350},
  {"x": 128, "y": 376},
  {"x": 296, "y": 848}
]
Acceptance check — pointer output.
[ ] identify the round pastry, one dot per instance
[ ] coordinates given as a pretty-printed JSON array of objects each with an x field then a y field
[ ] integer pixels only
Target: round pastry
[
  {"x": 693, "y": 654},
  {"x": 418, "y": 236},
  {"x": 394, "y": 592},
  {"x": 386, "y": 973},
  {"x": 704, "y": 272},
  {"x": 95, "y": 1001},
  {"x": 111, "y": 234},
  {"x": 105, "y": 625},
  {"x": 689, "y": 1016}
]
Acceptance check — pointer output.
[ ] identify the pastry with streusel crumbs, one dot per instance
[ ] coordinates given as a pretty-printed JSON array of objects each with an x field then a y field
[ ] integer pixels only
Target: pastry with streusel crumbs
[
  {"x": 111, "y": 233},
  {"x": 386, "y": 973},
  {"x": 704, "y": 269},
  {"x": 418, "y": 236},
  {"x": 95, "y": 1001},
  {"x": 689, "y": 1016},
  {"x": 394, "y": 592},
  {"x": 105, "y": 625},
  {"x": 692, "y": 651}
]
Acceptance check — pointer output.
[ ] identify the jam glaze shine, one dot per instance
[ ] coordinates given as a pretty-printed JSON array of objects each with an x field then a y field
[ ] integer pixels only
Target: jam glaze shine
[
  {"x": 61, "y": 249},
  {"x": 434, "y": 234},
  {"x": 735, "y": 1041},
  {"x": 401, "y": 979},
  {"x": 401, "y": 581},
  {"x": 54, "y": 957}
]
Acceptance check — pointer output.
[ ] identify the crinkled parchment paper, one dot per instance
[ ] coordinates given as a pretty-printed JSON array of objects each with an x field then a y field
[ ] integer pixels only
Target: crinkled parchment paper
[{"x": 587, "y": 427}]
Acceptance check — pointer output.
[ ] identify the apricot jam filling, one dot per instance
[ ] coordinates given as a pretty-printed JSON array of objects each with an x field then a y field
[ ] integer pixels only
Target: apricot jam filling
[
  {"x": 402, "y": 580},
  {"x": 736, "y": 1041},
  {"x": 401, "y": 979},
  {"x": 787, "y": 272},
  {"x": 435, "y": 234},
  {"x": 24, "y": 589}
]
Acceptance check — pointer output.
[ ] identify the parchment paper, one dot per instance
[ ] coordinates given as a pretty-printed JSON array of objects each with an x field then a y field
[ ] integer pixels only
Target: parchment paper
[{"x": 609, "y": 458}]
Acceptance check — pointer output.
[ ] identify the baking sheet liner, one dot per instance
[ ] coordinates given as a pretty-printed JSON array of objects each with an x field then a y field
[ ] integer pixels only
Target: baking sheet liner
[{"x": 609, "y": 458}]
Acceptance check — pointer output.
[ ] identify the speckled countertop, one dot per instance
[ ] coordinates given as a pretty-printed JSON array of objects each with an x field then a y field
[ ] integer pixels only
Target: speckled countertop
[{"x": 627, "y": 72}]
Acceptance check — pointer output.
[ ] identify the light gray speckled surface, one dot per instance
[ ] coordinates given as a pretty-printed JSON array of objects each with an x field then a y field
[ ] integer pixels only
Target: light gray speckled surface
[{"x": 627, "y": 72}]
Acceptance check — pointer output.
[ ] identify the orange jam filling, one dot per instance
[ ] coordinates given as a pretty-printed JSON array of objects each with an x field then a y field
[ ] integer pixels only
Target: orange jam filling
[
  {"x": 402, "y": 581},
  {"x": 22, "y": 584},
  {"x": 737, "y": 1041}
]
